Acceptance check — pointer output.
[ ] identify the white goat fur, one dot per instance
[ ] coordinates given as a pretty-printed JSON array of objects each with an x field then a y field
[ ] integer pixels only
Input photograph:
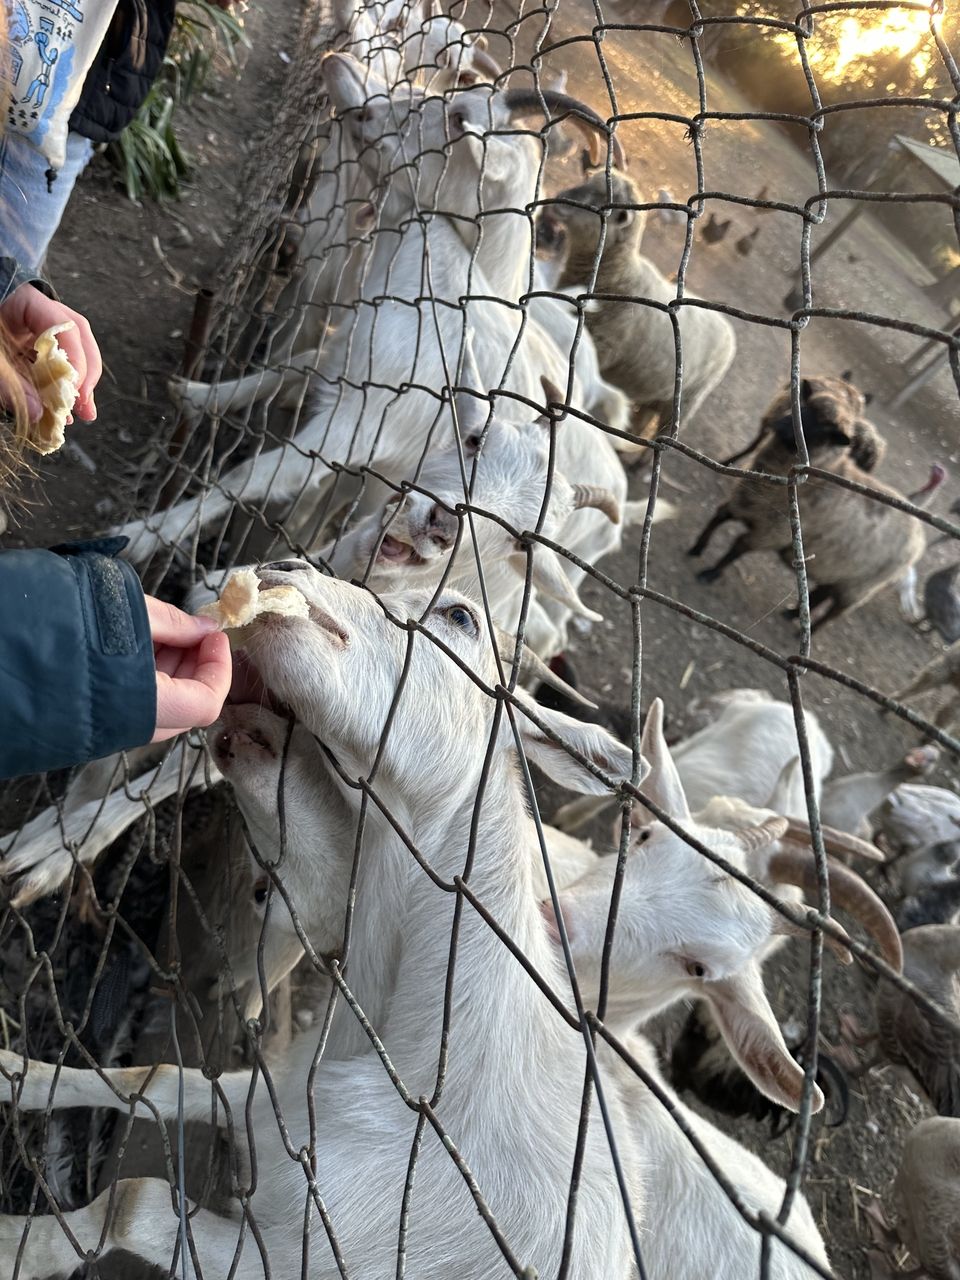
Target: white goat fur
[
  {"x": 361, "y": 1162},
  {"x": 695, "y": 1230},
  {"x": 386, "y": 333}
]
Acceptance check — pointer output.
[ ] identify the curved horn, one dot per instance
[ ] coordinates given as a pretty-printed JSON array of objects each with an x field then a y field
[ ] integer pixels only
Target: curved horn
[
  {"x": 531, "y": 664},
  {"x": 847, "y": 890},
  {"x": 782, "y": 927},
  {"x": 550, "y": 579},
  {"x": 762, "y": 834},
  {"x": 585, "y": 118},
  {"x": 483, "y": 62},
  {"x": 597, "y": 497},
  {"x": 834, "y": 841}
]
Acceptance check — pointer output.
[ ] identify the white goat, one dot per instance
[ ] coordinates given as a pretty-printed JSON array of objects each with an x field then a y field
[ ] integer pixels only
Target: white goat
[
  {"x": 514, "y": 1070},
  {"x": 686, "y": 930},
  {"x": 694, "y": 1230},
  {"x": 508, "y": 475},
  {"x": 259, "y": 755},
  {"x": 742, "y": 752},
  {"x": 417, "y": 39},
  {"x": 369, "y": 399}
]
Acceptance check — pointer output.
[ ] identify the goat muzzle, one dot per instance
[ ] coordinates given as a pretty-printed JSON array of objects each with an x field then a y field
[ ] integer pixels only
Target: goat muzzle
[{"x": 847, "y": 890}]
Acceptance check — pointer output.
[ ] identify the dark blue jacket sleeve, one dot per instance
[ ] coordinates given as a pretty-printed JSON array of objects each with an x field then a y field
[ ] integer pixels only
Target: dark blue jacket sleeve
[{"x": 77, "y": 675}]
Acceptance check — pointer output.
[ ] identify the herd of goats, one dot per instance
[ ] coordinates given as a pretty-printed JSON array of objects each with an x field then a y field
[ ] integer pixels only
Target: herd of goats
[{"x": 433, "y": 342}]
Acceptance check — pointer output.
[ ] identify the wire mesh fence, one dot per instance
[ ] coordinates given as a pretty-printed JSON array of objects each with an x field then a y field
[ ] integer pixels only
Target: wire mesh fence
[{"x": 455, "y": 388}]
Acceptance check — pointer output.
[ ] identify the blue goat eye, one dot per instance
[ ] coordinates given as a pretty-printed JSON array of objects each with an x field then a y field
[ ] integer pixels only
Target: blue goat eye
[{"x": 462, "y": 618}]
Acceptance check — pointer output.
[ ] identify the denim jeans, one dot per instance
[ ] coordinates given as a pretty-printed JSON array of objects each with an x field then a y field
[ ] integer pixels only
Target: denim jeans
[{"x": 29, "y": 213}]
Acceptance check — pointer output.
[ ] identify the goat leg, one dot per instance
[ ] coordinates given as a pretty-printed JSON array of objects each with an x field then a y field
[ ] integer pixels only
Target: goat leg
[
  {"x": 719, "y": 517},
  {"x": 816, "y": 598},
  {"x": 155, "y": 1089},
  {"x": 138, "y": 1215},
  {"x": 740, "y": 546}
]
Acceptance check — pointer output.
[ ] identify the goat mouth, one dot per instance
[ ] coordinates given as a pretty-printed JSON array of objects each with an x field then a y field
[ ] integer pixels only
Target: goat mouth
[
  {"x": 393, "y": 551},
  {"x": 249, "y": 689},
  {"x": 233, "y": 743}
]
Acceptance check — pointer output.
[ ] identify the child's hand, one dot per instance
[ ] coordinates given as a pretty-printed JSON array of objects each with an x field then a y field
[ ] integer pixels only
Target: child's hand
[
  {"x": 194, "y": 668},
  {"x": 26, "y": 314}
]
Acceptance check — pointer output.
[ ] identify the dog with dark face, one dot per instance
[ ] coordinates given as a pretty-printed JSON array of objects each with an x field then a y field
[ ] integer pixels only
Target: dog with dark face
[{"x": 854, "y": 545}]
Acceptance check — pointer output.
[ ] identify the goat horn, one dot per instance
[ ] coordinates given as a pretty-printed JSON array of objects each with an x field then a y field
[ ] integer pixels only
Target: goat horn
[
  {"x": 531, "y": 664},
  {"x": 585, "y": 118},
  {"x": 483, "y": 61},
  {"x": 762, "y": 834},
  {"x": 786, "y": 928},
  {"x": 847, "y": 890},
  {"x": 834, "y": 841},
  {"x": 596, "y": 496}
]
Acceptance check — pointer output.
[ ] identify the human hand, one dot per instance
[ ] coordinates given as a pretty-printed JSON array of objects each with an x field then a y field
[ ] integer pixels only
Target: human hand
[
  {"x": 26, "y": 314},
  {"x": 194, "y": 668}
]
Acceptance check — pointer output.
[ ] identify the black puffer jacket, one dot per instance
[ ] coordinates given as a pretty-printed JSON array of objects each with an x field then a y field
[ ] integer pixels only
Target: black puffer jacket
[{"x": 124, "y": 69}]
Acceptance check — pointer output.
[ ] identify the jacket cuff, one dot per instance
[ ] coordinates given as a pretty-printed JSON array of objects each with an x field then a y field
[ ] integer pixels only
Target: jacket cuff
[
  {"x": 77, "y": 673},
  {"x": 13, "y": 275}
]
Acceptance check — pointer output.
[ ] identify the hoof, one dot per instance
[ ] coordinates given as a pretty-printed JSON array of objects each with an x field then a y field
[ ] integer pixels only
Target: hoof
[
  {"x": 708, "y": 575},
  {"x": 694, "y": 550}
]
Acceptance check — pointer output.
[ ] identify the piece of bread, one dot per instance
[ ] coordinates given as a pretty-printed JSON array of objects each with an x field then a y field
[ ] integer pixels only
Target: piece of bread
[
  {"x": 58, "y": 384},
  {"x": 241, "y": 600}
]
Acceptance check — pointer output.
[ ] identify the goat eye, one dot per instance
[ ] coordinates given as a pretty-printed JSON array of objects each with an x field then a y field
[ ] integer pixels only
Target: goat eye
[
  {"x": 695, "y": 969},
  {"x": 457, "y": 121},
  {"x": 472, "y": 442},
  {"x": 260, "y": 890},
  {"x": 463, "y": 618},
  {"x": 642, "y": 836}
]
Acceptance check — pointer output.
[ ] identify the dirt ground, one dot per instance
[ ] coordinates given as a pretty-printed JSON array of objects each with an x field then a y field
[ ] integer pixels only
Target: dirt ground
[{"x": 133, "y": 271}]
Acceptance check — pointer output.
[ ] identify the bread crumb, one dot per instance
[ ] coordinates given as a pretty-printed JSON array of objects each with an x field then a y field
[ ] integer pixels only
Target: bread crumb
[
  {"x": 241, "y": 600},
  {"x": 58, "y": 385}
]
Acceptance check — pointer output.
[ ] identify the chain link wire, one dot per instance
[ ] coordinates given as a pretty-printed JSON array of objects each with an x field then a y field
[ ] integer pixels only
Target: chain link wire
[{"x": 159, "y": 950}]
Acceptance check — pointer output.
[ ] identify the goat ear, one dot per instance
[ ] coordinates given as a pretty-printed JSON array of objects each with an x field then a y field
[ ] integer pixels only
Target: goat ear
[
  {"x": 351, "y": 83},
  {"x": 550, "y": 579},
  {"x": 662, "y": 784},
  {"x": 551, "y": 395},
  {"x": 592, "y": 741},
  {"x": 806, "y": 389},
  {"x": 472, "y": 413},
  {"x": 787, "y": 796},
  {"x": 747, "y": 1024}
]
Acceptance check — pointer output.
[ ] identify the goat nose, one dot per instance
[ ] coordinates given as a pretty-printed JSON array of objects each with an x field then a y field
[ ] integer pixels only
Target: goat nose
[
  {"x": 440, "y": 526},
  {"x": 286, "y": 566}
]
